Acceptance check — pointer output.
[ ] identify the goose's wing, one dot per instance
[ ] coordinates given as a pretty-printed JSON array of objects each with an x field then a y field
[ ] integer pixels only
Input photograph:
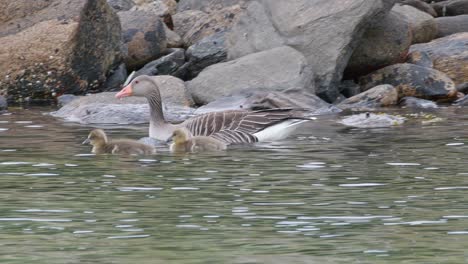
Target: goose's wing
[
  {"x": 234, "y": 137},
  {"x": 247, "y": 122}
]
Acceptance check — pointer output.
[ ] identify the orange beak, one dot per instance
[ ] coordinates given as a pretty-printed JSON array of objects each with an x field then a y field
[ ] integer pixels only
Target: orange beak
[{"x": 125, "y": 92}]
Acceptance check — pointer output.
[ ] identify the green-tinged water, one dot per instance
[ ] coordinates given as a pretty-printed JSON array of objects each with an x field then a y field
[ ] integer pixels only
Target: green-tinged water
[{"x": 327, "y": 195}]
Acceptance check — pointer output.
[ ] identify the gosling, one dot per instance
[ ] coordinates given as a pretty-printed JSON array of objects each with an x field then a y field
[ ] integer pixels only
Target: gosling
[
  {"x": 182, "y": 142},
  {"x": 102, "y": 145}
]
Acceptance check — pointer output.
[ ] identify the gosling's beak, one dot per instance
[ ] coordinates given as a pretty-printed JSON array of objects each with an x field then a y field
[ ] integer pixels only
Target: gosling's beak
[
  {"x": 125, "y": 92},
  {"x": 169, "y": 140},
  {"x": 86, "y": 142}
]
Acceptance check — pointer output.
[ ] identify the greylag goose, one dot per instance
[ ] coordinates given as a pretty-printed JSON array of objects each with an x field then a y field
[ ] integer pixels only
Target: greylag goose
[
  {"x": 183, "y": 142},
  {"x": 248, "y": 126},
  {"x": 101, "y": 145}
]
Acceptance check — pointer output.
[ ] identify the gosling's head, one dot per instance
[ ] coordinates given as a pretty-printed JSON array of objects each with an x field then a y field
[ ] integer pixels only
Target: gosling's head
[
  {"x": 96, "y": 137},
  {"x": 179, "y": 136},
  {"x": 142, "y": 85}
]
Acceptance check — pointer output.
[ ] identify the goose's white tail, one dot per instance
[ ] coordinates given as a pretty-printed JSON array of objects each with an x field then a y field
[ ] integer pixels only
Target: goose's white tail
[{"x": 279, "y": 131}]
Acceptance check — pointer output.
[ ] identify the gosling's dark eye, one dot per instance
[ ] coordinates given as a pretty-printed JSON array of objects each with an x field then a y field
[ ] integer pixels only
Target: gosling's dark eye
[{"x": 136, "y": 82}]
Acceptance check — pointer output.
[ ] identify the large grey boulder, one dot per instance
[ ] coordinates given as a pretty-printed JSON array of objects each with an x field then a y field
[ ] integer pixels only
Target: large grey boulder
[
  {"x": 277, "y": 69},
  {"x": 385, "y": 43},
  {"x": 451, "y": 8},
  {"x": 423, "y": 26},
  {"x": 450, "y": 25},
  {"x": 104, "y": 108},
  {"x": 379, "y": 96},
  {"x": 422, "y": 6},
  {"x": 166, "y": 65},
  {"x": 51, "y": 47},
  {"x": 325, "y": 31}
]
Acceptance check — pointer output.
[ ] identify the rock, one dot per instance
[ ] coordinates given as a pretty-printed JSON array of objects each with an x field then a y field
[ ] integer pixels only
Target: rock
[
  {"x": 173, "y": 39},
  {"x": 162, "y": 8},
  {"x": 462, "y": 88},
  {"x": 449, "y": 55},
  {"x": 379, "y": 96},
  {"x": 208, "y": 51},
  {"x": 193, "y": 26},
  {"x": 144, "y": 37},
  {"x": 420, "y": 58},
  {"x": 167, "y": 65},
  {"x": 277, "y": 69},
  {"x": 349, "y": 88},
  {"x": 385, "y": 43},
  {"x": 462, "y": 102},
  {"x": 413, "y": 80},
  {"x": 209, "y": 6},
  {"x": 325, "y": 31},
  {"x": 370, "y": 120},
  {"x": 3, "y": 103},
  {"x": 423, "y": 26},
  {"x": 422, "y": 6},
  {"x": 263, "y": 99},
  {"x": 417, "y": 103},
  {"x": 451, "y": 25},
  {"x": 451, "y": 8},
  {"x": 121, "y": 5},
  {"x": 66, "y": 99},
  {"x": 51, "y": 47},
  {"x": 104, "y": 108},
  {"x": 116, "y": 79}
]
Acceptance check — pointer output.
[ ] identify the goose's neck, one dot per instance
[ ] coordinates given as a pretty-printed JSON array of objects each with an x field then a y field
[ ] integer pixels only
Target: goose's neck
[{"x": 156, "y": 111}]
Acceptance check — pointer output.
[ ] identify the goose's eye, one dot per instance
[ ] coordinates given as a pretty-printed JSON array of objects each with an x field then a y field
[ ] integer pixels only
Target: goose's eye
[{"x": 136, "y": 82}]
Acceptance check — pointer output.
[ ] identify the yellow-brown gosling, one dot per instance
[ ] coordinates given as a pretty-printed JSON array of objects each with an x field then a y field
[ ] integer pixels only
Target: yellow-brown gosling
[
  {"x": 183, "y": 142},
  {"x": 102, "y": 145}
]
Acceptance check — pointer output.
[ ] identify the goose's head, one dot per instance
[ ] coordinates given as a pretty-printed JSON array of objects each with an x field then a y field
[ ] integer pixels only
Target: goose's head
[
  {"x": 96, "y": 137},
  {"x": 179, "y": 136},
  {"x": 142, "y": 85}
]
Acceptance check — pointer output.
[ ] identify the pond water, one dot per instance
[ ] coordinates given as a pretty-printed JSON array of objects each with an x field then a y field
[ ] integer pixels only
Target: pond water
[{"x": 329, "y": 194}]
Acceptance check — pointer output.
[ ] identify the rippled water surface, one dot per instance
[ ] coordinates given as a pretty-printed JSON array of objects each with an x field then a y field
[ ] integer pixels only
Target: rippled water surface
[{"x": 329, "y": 194}]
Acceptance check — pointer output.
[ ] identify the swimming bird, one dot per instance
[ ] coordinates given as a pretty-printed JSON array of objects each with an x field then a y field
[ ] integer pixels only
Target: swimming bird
[
  {"x": 183, "y": 142},
  {"x": 250, "y": 126},
  {"x": 102, "y": 145}
]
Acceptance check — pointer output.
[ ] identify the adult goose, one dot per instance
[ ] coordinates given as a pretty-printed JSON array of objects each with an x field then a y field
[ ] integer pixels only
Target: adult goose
[
  {"x": 102, "y": 145},
  {"x": 232, "y": 126},
  {"x": 183, "y": 142}
]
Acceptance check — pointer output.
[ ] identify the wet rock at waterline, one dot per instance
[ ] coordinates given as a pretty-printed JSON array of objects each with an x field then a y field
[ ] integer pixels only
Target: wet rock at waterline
[
  {"x": 371, "y": 120},
  {"x": 423, "y": 26},
  {"x": 450, "y": 25},
  {"x": 55, "y": 47},
  {"x": 462, "y": 88},
  {"x": 451, "y": 8},
  {"x": 385, "y": 43},
  {"x": 449, "y": 55},
  {"x": 277, "y": 69},
  {"x": 166, "y": 65},
  {"x": 413, "y": 80},
  {"x": 144, "y": 37},
  {"x": 263, "y": 99},
  {"x": 379, "y": 96},
  {"x": 194, "y": 25},
  {"x": 325, "y": 31},
  {"x": 66, "y": 99},
  {"x": 462, "y": 101},
  {"x": 104, "y": 108},
  {"x": 417, "y": 103},
  {"x": 420, "y": 5},
  {"x": 3, "y": 103}
]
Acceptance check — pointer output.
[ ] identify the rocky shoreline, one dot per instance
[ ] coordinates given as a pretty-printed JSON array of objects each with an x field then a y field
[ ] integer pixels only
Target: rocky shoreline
[{"x": 230, "y": 54}]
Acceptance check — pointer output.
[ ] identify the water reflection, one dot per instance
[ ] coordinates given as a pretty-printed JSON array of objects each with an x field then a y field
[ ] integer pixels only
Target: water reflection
[{"x": 330, "y": 194}]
